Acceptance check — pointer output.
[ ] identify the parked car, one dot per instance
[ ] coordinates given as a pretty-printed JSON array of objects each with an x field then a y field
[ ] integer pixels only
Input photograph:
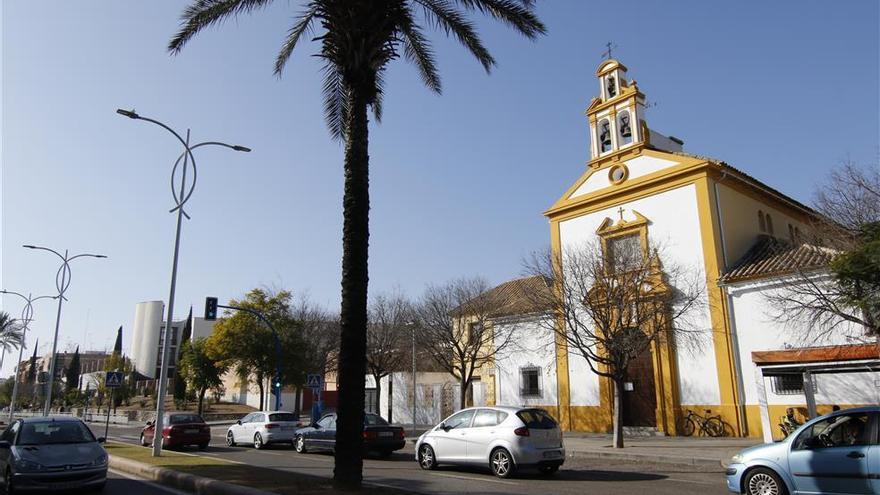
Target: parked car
[
  {"x": 179, "y": 429},
  {"x": 379, "y": 436},
  {"x": 504, "y": 438},
  {"x": 52, "y": 453},
  {"x": 836, "y": 453},
  {"x": 263, "y": 428}
]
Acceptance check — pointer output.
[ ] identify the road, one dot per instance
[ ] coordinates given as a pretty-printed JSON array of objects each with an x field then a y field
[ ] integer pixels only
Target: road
[
  {"x": 124, "y": 484},
  {"x": 577, "y": 477}
]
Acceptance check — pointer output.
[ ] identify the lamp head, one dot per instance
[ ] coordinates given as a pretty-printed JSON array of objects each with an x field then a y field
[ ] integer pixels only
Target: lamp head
[
  {"x": 241, "y": 148},
  {"x": 29, "y": 246},
  {"x": 128, "y": 113}
]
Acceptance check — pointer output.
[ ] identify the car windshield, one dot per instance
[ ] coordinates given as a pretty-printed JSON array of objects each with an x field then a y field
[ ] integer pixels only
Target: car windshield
[
  {"x": 180, "y": 419},
  {"x": 282, "y": 417},
  {"x": 54, "y": 432},
  {"x": 537, "y": 419},
  {"x": 374, "y": 420}
]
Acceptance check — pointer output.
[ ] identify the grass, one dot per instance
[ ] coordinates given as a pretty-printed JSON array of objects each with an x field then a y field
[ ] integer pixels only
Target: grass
[{"x": 270, "y": 480}]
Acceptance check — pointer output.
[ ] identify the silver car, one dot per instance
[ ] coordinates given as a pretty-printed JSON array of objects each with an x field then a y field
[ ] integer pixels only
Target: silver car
[
  {"x": 504, "y": 438},
  {"x": 51, "y": 453},
  {"x": 263, "y": 428}
]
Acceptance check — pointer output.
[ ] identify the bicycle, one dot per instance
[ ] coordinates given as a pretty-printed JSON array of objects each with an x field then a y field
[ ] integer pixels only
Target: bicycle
[{"x": 711, "y": 426}]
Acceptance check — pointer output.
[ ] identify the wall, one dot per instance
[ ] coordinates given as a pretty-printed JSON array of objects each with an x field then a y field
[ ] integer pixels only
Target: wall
[
  {"x": 437, "y": 397},
  {"x": 534, "y": 347}
]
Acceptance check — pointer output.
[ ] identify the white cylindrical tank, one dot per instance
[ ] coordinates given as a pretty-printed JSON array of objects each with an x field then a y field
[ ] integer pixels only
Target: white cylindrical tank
[{"x": 145, "y": 336}]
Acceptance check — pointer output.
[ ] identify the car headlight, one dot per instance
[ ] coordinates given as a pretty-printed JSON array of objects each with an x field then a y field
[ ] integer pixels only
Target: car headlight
[
  {"x": 27, "y": 466},
  {"x": 737, "y": 459},
  {"x": 101, "y": 460}
]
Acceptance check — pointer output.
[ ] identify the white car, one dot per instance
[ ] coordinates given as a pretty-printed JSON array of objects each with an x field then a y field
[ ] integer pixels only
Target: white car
[
  {"x": 263, "y": 428},
  {"x": 503, "y": 437}
]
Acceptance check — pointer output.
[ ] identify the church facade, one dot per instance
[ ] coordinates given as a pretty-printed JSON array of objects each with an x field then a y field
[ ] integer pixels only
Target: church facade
[{"x": 740, "y": 235}]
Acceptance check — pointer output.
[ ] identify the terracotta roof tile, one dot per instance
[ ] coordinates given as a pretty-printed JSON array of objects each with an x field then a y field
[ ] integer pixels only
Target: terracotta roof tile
[
  {"x": 770, "y": 256},
  {"x": 515, "y": 297}
]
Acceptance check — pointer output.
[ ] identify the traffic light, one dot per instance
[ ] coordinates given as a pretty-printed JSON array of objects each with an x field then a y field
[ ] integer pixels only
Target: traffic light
[{"x": 210, "y": 308}]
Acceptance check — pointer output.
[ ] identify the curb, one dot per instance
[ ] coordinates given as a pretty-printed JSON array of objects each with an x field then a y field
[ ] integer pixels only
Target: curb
[
  {"x": 198, "y": 485},
  {"x": 635, "y": 457}
]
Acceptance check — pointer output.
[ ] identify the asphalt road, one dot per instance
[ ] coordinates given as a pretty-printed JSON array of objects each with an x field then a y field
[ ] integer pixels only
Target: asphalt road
[
  {"x": 124, "y": 484},
  {"x": 577, "y": 477}
]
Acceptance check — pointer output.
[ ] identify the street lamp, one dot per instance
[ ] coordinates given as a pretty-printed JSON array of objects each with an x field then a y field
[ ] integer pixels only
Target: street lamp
[
  {"x": 180, "y": 199},
  {"x": 62, "y": 282},
  {"x": 27, "y": 315}
]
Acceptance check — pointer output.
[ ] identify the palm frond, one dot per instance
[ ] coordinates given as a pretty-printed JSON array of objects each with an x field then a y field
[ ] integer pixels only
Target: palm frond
[
  {"x": 517, "y": 13},
  {"x": 376, "y": 105},
  {"x": 335, "y": 101},
  {"x": 302, "y": 26},
  {"x": 417, "y": 50},
  {"x": 203, "y": 13},
  {"x": 445, "y": 16}
]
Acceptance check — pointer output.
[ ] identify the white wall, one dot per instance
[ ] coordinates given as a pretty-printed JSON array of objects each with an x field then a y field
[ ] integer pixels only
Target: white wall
[
  {"x": 638, "y": 167},
  {"x": 534, "y": 346},
  {"x": 432, "y": 389},
  {"x": 675, "y": 227},
  {"x": 202, "y": 328},
  {"x": 145, "y": 336},
  {"x": 757, "y": 331}
]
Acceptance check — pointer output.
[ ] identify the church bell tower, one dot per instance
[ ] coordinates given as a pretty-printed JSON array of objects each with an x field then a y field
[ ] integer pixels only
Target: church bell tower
[{"x": 617, "y": 115}]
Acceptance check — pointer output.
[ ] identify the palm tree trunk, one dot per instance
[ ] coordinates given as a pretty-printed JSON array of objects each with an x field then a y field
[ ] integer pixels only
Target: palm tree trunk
[
  {"x": 348, "y": 470},
  {"x": 262, "y": 391}
]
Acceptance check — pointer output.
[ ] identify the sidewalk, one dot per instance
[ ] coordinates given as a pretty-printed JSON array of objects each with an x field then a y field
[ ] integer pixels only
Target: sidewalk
[{"x": 695, "y": 451}]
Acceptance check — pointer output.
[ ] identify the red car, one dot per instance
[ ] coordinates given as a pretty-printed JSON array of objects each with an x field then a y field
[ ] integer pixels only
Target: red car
[{"x": 179, "y": 429}]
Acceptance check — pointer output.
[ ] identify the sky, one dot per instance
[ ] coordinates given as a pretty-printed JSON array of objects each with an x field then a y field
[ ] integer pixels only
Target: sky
[{"x": 782, "y": 90}]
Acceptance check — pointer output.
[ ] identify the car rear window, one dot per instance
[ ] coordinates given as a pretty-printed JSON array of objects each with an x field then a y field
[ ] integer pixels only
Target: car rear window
[
  {"x": 537, "y": 419},
  {"x": 179, "y": 419},
  {"x": 374, "y": 420},
  {"x": 282, "y": 417}
]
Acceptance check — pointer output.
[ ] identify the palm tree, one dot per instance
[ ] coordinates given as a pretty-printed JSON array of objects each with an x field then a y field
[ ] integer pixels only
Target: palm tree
[
  {"x": 10, "y": 335},
  {"x": 358, "y": 39}
]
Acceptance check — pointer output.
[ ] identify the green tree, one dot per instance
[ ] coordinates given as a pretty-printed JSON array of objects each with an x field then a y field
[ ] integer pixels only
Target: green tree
[
  {"x": 179, "y": 388},
  {"x": 72, "y": 373},
  {"x": 857, "y": 273},
  {"x": 117, "y": 362},
  {"x": 200, "y": 371},
  {"x": 358, "y": 41}
]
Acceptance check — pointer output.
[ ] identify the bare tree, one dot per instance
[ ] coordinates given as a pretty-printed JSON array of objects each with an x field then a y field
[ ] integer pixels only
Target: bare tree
[
  {"x": 388, "y": 319},
  {"x": 455, "y": 328},
  {"x": 320, "y": 335},
  {"x": 611, "y": 307},
  {"x": 820, "y": 298}
]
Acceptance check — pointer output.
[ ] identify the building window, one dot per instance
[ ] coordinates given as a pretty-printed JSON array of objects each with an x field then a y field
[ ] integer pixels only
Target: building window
[
  {"x": 769, "y": 225},
  {"x": 530, "y": 381},
  {"x": 762, "y": 224},
  {"x": 789, "y": 384},
  {"x": 475, "y": 331},
  {"x": 624, "y": 252}
]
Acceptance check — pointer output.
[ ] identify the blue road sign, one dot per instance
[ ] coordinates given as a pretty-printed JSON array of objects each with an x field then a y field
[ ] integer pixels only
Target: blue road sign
[
  {"x": 113, "y": 379},
  {"x": 315, "y": 382}
]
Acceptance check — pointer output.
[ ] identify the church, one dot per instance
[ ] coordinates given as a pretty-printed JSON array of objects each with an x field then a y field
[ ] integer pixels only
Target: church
[{"x": 744, "y": 238}]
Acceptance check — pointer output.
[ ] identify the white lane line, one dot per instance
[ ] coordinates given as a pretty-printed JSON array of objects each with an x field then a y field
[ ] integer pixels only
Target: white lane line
[
  {"x": 148, "y": 482},
  {"x": 469, "y": 478}
]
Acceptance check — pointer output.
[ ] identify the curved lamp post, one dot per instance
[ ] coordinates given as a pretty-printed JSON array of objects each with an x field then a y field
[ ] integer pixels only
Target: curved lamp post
[
  {"x": 62, "y": 282},
  {"x": 180, "y": 199},
  {"x": 27, "y": 315}
]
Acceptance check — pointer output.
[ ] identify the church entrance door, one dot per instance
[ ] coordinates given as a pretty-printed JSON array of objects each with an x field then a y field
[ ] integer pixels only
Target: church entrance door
[{"x": 639, "y": 395}]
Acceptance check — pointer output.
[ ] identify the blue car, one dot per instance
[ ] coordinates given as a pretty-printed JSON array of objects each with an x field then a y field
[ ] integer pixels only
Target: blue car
[{"x": 837, "y": 453}]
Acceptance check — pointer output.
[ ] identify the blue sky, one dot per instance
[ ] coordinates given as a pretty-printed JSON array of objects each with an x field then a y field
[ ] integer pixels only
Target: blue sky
[{"x": 782, "y": 90}]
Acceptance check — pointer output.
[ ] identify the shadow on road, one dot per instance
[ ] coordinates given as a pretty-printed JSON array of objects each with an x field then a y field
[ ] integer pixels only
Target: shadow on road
[{"x": 562, "y": 475}]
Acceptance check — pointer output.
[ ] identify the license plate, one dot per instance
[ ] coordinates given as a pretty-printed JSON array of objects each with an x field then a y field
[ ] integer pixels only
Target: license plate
[
  {"x": 552, "y": 454},
  {"x": 288, "y": 428},
  {"x": 191, "y": 431},
  {"x": 386, "y": 433}
]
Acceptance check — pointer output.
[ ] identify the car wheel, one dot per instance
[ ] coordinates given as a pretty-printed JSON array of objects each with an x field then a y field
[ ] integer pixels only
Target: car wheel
[
  {"x": 763, "y": 481},
  {"x": 548, "y": 470},
  {"x": 258, "y": 442},
  {"x": 299, "y": 444},
  {"x": 203, "y": 446},
  {"x": 501, "y": 463},
  {"x": 143, "y": 441},
  {"x": 230, "y": 439},
  {"x": 427, "y": 459}
]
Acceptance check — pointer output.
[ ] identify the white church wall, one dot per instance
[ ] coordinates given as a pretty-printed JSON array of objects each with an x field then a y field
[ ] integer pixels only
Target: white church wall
[
  {"x": 534, "y": 347},
  {"x": 638, "y": 167},
  {"x": 756, "y": 330},
  {"x": 675, "y": 227}
]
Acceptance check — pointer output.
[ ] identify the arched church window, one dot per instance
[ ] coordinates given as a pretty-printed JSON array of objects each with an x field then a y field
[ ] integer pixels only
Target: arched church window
[
  {"x": 624, "y": 126},
  {"x": 604, "y": 136},
  {"x": 610, "y": 86},
  {"x": 762, "y": 224},
  {"x": 769, "y": 225}
]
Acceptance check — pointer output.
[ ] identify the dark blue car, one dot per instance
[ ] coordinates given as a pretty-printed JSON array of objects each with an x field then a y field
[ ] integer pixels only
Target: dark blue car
[
  {"x": 838, "y": 453},
  {"x": 379, "y": 436}
]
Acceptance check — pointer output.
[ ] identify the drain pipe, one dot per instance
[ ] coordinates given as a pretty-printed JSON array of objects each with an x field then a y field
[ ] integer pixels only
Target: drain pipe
[{"x": 728, "y": 300}]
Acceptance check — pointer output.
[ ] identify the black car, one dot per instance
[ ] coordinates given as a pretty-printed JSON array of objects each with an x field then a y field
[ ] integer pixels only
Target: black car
[{"x": 379, "y": 436}]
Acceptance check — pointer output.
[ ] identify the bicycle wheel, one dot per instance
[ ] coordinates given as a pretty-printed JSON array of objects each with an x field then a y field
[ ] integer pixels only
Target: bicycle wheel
[
  {"x": 688, "y": 427},
  {"x": 714, "y": 427}
]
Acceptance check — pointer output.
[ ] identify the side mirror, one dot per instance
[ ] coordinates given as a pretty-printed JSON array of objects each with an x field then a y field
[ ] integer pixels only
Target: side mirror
[
  {"x": 444, "y": 427},
  {"x": 238, "y": 422},
  {"x": 4, "y": 444},
  {"x": 149, "y": 423},
  {"x": 102, "y": 440}
]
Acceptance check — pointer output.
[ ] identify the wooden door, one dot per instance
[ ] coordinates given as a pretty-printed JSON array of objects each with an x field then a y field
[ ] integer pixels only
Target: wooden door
[{"x": 640, "y": 403}]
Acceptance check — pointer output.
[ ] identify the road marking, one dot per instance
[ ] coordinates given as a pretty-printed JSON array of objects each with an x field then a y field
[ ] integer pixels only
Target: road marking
[
  {"x": 148, "y": 482},
  {"x": 692, "y": 481},
  {"x": 469, "y": 478}
]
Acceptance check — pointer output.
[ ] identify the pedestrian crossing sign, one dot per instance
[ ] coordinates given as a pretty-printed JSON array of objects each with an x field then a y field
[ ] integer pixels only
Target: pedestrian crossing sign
[
  {"x": 113, "y": 379},
  {"x": 315, "y": 382}
]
